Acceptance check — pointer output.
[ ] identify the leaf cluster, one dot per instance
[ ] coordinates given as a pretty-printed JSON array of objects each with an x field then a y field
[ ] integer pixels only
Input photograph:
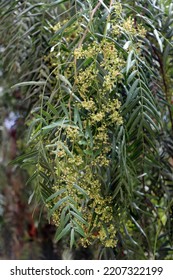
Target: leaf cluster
[{"x": 60, "y": 62}]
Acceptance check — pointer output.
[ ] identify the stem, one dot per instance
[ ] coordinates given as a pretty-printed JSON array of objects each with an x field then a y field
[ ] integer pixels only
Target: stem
[
  {"x": 108, "y": 19},
  {"x": 91, "y": 18}
]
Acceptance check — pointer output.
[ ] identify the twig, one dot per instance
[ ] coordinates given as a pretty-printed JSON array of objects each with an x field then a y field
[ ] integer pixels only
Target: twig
[{"x": 91, "y": 18}]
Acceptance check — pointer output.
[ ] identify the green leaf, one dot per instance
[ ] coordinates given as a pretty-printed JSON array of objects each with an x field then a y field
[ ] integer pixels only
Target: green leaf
[
  {"x": 77, "y": 119},
  {"x": 158, "y": 40},
  {"x": 132, "y": 93},
  {"x": 65, "y": 149},
  {"x": 89, "y": 152},
  {"x": 66, "y": 82},
  {"x": 130, "y": 62},
  {"x": 133, "y": 117},
  {"x": 127, "y": 108},
  {"x": 127, "y": 44},
  {"x": 27, "y": 156},
  {"x": 82, "y": 191},
  {"x": 72, "y": 240},
  {"x": 31, "y": 197},
  {"x": 60, "y": 123},
  {"x": 29, "y": 83},
  {"x": 32, "y": 177},
  {"x": 56, "y": 194},
  {"x": 78, "y": 228},
  {"x": 57, "y": 205},
  {"x": 31, "y": 7},
  {"x": 78, "y": 217},
  {"x": 63, "y": 106},
  {"x": 137, "y": 121},
  {"x": 54, "y": 3},
  {"x": 53, "y": 109},
  {"x": 131, "y": 76},
  {"x": 139, "y": 227},
  {"x": 134, "y": 86},
  {"x": 65, "y": 217},
  {"x": 150, "y": 105},
  {"x": 151, "y": 121},
  {"x": 62, "y": 29},
  {"x": 64, "y": 232}
]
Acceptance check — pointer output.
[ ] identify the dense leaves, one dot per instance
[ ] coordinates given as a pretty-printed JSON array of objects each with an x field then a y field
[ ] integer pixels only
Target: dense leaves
[{"x": 97, "y": 77}]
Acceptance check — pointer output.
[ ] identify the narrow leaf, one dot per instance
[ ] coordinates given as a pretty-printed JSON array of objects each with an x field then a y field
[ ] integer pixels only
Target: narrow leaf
[
  {"x": 56, "y": 194},
  {"x": 158, "y": 40},
  {"x": 82, "y": 191},
  {"x": 63, "y": 232},
  {"x": 138, "y": 226},
  {"x": 129, "y": 61},
  {"x": 29, "y": 83},
  {"x": 78, "y": 217},
  {"x": 72, "y": 240},
  {"x": 57, "y": 205}
]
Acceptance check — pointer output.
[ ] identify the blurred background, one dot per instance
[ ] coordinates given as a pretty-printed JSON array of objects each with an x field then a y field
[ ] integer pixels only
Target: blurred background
[{"x": 20, "y": 236}]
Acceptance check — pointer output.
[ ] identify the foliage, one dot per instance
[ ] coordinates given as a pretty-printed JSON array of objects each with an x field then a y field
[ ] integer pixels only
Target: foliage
[{"x": 98, "y": 78}]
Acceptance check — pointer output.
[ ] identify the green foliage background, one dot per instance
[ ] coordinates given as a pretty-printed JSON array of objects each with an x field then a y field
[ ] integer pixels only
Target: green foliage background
[{"x": 96, "y": 79}]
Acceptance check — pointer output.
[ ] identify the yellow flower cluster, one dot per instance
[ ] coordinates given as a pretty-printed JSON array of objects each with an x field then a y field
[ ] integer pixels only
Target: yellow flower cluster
[
  {"x": 112, "y": 63},
  {"x": 76, "y": 165},
  {"x": 97, "y": 210},
  {"x": 93, "y": 69},
  {"x": 85, "y": 79},
  {"x": 88, "y": 104},
  {"x": 110, "y": 66},
  {"x": 92, "y": 51},
  {"x": 128, "y": 26},
  {"x": 116, "y": 9},
  {"x": 72, "y": 133}
]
